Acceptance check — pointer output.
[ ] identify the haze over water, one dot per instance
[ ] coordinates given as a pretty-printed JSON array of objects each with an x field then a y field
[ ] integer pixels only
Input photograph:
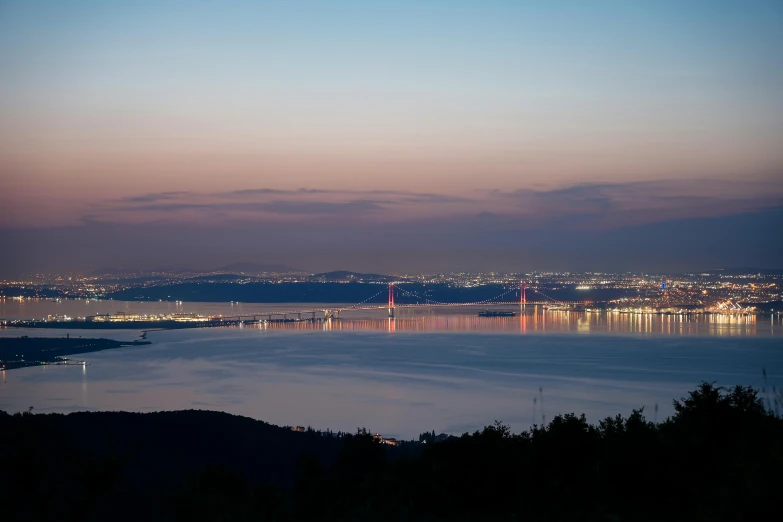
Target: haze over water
[{"x": 442, "y": 369}]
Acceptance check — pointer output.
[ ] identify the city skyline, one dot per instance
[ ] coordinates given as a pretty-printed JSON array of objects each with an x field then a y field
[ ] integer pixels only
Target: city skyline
[{"x": 379, "y": 136}]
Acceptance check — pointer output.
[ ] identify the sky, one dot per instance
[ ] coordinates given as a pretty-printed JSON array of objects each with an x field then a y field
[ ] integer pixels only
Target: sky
[{"x": 391, "y": 136}]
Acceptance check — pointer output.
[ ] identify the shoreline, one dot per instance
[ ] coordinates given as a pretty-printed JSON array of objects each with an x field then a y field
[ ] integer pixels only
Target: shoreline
[{"x": 24, "y": 351}]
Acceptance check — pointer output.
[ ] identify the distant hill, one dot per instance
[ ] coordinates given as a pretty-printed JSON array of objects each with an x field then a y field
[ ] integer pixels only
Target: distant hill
[{"x": 255, "y": 268}]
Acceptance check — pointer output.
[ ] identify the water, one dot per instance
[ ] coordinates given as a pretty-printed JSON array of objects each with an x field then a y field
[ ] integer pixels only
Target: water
[{"x": 437, "y": 370}]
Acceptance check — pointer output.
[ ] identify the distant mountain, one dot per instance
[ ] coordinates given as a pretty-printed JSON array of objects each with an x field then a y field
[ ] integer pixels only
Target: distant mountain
[
  {"x": 343, "y": 275},
  {"x": 255, "y": 268}
]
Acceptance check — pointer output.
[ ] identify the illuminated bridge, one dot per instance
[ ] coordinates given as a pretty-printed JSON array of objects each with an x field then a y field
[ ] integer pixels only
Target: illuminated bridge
[{"x": 514, "y": 296}]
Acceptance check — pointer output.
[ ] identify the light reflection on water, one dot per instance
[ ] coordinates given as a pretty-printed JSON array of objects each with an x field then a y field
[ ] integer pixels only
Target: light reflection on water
[
  {"x": 426, "y": 369},
  {"x": 458, "y": 319},
  {"x": 553, "y": 321}
]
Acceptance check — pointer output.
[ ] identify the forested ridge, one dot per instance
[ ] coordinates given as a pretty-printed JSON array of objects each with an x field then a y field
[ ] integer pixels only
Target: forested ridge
[{"x": 719, "y": 457}]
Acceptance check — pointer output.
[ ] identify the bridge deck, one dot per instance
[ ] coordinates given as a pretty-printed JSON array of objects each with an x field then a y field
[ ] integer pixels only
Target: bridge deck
[{"x": 385, "y": 307}]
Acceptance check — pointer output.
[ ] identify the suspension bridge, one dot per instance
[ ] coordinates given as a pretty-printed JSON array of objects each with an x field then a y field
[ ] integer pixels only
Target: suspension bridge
[{"x": 400, "y": 298}]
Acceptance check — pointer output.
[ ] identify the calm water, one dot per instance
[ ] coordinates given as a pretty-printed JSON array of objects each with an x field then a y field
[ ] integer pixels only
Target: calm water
[{"x": 438, "y": 369}]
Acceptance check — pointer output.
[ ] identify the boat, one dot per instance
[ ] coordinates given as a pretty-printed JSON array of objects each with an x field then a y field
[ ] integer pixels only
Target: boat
[{"x": 497, "y": 313}]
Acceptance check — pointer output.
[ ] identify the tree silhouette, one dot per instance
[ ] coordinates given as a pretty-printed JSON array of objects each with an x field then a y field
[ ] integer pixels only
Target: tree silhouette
[{"x": 716, "y": 458}]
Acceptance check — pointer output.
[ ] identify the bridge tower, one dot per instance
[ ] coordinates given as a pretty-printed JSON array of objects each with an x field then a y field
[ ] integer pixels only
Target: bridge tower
[
  {"x": 522, "y": 295},
  {"x": 391, "y": 300}
]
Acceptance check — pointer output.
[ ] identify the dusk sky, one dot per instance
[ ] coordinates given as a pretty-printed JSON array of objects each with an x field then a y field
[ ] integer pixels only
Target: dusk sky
[{"x": 391, "y": 136}]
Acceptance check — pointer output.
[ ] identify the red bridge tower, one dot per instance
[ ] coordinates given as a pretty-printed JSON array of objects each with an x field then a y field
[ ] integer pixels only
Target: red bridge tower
[
  {"x": 522, "y": 295},
  {"x": 391, "y": 299}
]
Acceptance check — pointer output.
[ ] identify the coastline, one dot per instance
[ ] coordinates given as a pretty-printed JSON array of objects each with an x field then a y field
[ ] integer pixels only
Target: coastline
[{"x": 24, "y": 351}]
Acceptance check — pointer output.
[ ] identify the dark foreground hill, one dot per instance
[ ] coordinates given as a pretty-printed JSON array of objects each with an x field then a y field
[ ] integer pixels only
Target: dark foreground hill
[
  {"x": 106, "y": 465},
  {"x": 719, "y": 458}
]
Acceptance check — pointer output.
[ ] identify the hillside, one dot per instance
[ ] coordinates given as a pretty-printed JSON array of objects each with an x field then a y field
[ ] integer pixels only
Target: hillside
[{"x": 718, "y": 458}]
